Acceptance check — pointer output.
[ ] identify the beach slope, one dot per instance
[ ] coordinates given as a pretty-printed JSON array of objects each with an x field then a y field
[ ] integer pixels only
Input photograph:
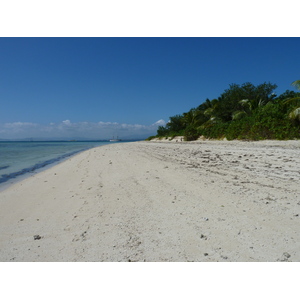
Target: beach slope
[{"x": 152, "y": 201}]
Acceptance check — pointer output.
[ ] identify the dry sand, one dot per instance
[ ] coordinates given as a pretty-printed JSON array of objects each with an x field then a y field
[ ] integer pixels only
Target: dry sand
[{"x": 159, "y": 201}]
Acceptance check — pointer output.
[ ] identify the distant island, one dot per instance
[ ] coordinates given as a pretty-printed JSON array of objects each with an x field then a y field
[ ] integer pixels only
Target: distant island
[{"x": 243, "y": 112}]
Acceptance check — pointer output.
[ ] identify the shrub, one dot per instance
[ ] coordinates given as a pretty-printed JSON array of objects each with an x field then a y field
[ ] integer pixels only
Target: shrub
[
  {"x": 268, "y": 122},
  {"x": 150, "y": 138},
  {"x": 190, "y": 134},
  {"x": 240, "y": 129},
  {"x": 214, "y": 130}
]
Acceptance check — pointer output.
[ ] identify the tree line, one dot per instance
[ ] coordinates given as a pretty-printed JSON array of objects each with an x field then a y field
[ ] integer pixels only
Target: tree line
[{"x": 245, "y": 112}]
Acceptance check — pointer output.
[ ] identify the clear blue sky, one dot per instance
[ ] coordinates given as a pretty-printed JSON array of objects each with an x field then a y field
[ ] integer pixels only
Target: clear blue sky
[{"x": 136, "y": 82}]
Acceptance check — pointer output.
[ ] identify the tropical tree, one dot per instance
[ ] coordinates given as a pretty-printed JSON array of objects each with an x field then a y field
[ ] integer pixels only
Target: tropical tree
[
  {"x": 175, "y": 124},
  {"x": 207, "y": 104},
  {"x": 288, "y": 94},
  {"x": 237, "y": 115},
  {"x": 162, "y": 131},
  {"x": 294, "y": 114},
  {"x": 244, "y": 112},
  {"x": 248, "y": 106},
  {"x": 296, "y": 83},
  {"x": 234, "y": 99},
  {"x": 194, "y": 118}
]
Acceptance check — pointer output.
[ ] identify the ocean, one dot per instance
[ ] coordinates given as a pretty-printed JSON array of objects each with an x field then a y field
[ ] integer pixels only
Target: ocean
[{"x": 20, "y": 158}]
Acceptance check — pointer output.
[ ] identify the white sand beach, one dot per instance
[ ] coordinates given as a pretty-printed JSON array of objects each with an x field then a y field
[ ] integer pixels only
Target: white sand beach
[{"x": 206, "y": 201}]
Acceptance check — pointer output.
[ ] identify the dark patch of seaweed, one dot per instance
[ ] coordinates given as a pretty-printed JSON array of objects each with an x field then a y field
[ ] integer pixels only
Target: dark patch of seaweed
[{"x": 4, "y": 167}]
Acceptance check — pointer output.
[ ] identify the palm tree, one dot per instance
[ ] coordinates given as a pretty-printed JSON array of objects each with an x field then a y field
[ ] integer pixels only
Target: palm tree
[
  {"x": 295, "y": 113},
  {"x": 247, "y": 107},
  {"x": 192, "y": 118},
  {"x": 208, "y": 109},
  {"x": 237, "y": 115},
  {"x": 296, "y": 83}
]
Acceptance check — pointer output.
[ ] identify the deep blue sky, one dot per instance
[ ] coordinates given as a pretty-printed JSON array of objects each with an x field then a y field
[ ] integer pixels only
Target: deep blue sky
[{"x": 132, "y": 80}]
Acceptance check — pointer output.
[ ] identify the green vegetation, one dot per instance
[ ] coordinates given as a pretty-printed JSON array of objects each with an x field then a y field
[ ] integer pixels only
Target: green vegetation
[{"x": 245, "y": 112}]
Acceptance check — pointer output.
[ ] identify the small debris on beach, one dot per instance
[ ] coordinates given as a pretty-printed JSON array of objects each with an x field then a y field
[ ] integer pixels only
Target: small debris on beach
[
  {"x": 37, "y": 237},
  {"x": 285, "y": 256}
]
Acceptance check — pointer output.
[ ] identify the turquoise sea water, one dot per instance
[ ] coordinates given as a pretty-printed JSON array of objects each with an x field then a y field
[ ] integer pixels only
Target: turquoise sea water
[{"x": 19, "y": 158}]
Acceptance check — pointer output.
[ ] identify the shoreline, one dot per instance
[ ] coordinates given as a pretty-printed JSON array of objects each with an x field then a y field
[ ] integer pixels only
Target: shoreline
[
  {"x": 27, "y": 174},
  {"x": 11, "y": 178},
  {"x": 150, "y": 201},
  {"x": 19, "y": 178}
]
